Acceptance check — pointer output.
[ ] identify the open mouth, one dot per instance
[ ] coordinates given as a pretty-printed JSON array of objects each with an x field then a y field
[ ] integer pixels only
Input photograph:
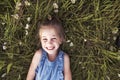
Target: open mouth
[{"x": 50, "y": 48}]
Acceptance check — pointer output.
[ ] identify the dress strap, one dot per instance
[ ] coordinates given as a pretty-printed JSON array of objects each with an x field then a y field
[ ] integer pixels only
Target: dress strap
[{"x": 61, "y": 60}]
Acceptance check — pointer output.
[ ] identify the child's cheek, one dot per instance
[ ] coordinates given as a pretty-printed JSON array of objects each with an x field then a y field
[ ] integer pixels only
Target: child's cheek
[{"x": 43, "y": 43}]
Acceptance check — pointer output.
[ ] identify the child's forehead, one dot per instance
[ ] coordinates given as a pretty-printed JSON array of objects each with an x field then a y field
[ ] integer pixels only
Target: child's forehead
[
  {"x": 46, "y": 30},
  {"x": 49, "y": 28}
]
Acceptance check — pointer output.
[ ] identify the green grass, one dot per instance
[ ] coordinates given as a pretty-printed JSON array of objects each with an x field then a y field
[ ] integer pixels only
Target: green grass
[{"x": 91, "y": 26}]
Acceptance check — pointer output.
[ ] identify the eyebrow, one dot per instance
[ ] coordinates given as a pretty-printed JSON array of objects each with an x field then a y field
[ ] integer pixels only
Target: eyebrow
[{"x": 52, "y": 35}]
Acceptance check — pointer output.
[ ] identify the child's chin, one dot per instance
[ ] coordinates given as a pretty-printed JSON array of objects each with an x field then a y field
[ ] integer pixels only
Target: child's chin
[{"x": 50, "y": 51}]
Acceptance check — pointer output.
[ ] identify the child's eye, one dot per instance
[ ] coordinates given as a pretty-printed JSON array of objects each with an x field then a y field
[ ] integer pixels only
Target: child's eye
[
  {"x": 44, "y": 39},
  {"x": 53, "y": 38}
]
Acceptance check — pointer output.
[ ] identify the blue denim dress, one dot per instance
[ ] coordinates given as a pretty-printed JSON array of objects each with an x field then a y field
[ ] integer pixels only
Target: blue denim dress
[{"x": 47, "y": 70}]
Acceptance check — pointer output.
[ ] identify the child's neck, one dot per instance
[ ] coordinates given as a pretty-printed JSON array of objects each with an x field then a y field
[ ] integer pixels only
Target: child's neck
[{"x": 52, "y": 57}]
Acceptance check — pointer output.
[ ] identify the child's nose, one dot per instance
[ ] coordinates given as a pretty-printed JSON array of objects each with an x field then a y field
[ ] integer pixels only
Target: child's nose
[{"x": 49, "y": 41}]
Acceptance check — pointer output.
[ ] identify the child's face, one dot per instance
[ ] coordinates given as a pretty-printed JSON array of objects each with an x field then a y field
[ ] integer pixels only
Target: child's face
[{"x": 50, "y": 40}]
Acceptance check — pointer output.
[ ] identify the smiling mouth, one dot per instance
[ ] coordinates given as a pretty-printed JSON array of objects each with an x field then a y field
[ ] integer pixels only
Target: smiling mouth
[{"x": 51, "y": 48}]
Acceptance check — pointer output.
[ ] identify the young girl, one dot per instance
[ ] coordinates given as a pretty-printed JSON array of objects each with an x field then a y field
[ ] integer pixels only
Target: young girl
[{"x": 50, "y": 62}]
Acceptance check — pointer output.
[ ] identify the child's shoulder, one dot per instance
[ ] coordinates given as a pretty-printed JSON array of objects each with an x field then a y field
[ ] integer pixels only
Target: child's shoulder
[
  {"x": 66, "y": 56},
  {"x": 37, "y": 56},
  {"x": 38, "y": 52}
]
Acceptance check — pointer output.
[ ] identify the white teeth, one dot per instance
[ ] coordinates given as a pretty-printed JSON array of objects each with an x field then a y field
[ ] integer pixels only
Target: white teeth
[{"x": 50, "y": 48}]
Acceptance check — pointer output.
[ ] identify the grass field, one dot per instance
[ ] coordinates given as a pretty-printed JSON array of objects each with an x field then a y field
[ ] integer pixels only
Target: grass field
[{"x": 92, "y": 29}]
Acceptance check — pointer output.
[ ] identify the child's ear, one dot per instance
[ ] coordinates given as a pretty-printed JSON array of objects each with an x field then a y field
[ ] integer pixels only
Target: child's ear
[{"x": 61, "y": 41}]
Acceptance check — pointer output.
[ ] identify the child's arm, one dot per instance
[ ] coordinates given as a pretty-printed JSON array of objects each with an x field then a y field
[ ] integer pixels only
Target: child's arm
[
  {"x": 33, "y": 66},
  {"x": 67, "y": 70}
]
